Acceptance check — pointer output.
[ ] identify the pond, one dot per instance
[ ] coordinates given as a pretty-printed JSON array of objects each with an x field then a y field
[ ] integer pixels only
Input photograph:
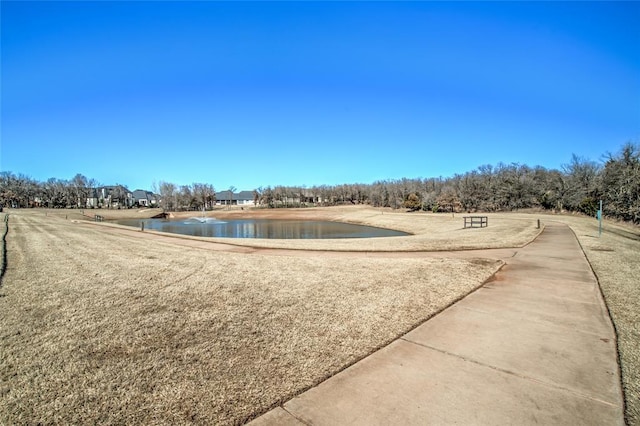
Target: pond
[{"x": 261, "y": 228}]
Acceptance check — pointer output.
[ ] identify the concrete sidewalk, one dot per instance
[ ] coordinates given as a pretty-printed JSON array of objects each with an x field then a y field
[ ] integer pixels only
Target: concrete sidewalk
[{"x": 535, "y": 345}]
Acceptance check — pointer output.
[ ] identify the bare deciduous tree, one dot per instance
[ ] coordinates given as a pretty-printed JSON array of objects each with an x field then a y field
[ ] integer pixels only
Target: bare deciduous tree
[{"x": 577, "y": 187}]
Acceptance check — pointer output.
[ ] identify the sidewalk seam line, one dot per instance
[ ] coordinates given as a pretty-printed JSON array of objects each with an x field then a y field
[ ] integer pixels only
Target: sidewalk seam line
[
  {"x": 294, "y": 416},
  {"x": 551, "y": 384},
  {"x": 541, "y": 322}
]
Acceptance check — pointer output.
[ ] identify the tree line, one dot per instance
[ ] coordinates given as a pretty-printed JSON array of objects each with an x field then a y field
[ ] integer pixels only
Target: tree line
[
  {"x": 577, "y": 187},
  {"x": 21, "y": 191},
  {"x": 174, "y": 197}
]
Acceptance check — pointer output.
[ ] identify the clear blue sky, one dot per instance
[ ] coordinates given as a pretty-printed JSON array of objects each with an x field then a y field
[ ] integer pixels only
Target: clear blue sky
[{"x": 300, "y": 93}]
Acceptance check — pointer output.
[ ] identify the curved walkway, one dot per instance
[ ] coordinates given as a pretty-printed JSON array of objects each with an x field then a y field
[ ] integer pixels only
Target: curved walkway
[{"x": 535, "y": 345}]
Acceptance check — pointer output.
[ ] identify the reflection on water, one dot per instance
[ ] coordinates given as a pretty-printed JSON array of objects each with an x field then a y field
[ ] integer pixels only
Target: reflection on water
[{"x": 262, "y": 228}]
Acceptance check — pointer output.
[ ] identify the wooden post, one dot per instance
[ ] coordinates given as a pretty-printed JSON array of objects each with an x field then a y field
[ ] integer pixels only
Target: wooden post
[
  {"x": 142, "y": 226},
  {"x": 538, "y": 223}
]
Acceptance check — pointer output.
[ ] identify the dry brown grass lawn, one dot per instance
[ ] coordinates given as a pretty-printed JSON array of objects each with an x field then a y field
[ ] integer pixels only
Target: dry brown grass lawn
[
  {"x": 107, "y": 214},
  {"x": 112, "y": 328},
  {"x": 100, "y": 327}
]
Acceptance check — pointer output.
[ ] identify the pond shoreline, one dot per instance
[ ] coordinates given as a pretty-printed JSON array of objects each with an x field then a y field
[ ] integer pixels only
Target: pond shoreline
[{"x": 261, "y": 228}]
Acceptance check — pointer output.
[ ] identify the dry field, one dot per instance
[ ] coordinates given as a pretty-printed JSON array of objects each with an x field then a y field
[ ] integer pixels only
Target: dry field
[
  {"x": 104, "y": 326},
  {"x": 614, "y": 257}
]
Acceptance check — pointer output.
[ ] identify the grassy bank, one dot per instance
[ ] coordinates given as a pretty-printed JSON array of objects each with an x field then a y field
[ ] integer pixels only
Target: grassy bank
[
  {"x": 429, "y": 231},
  {"x": 90, "y": 214}
]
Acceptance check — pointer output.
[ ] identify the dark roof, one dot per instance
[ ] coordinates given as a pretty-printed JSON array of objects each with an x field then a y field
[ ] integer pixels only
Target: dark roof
[
  {"x": 245, "y": 195},
  {"x": 242, "y": 195},
  {"x": 111, "y": 188},
  {"x": 223, "y": 195},
  {"x": 140, "y": 194}
]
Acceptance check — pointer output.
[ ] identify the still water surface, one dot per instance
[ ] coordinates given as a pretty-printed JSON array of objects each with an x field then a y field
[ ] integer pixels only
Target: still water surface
[{"x": 262, "y": 228}]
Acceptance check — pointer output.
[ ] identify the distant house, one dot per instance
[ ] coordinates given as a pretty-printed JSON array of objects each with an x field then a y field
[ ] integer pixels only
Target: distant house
[
  {"x": 246, "y": 198},
  {"x": 115, "y": 197},
  {"x": 242, "y": 198},
  {"x": 92, "y": 199},
  {"x": 144, "y": 198},
  {"x": 311, "y": 197}
]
